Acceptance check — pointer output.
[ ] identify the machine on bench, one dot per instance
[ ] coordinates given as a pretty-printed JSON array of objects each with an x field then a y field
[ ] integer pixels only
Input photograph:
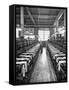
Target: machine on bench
[
  {"x": 24, "y": 62},
  {"x": 59, "y": 62}
]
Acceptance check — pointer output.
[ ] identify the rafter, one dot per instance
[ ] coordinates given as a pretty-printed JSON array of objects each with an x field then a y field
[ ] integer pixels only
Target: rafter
[
  {"x": 59, "y": 15},
  {"x": 41, "y": 16},
  {"x": 39, "y": 26},
  {"x": 30, "y": 15}
]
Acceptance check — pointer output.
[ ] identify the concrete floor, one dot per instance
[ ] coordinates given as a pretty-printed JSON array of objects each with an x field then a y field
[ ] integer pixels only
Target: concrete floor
[{"x": 43, "y": 70}]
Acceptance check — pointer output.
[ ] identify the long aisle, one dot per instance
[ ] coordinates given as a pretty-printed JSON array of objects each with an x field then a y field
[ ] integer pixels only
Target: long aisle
[{"x": 43, "y": 70}]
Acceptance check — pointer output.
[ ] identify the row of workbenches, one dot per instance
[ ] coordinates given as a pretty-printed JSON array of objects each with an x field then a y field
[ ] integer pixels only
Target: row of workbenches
[
  {"x": 60, "y": 44},
  {"x": 22, "y": 45},
  {"x": 25, "y": 62},
  {"x": 59, "y": 61}
]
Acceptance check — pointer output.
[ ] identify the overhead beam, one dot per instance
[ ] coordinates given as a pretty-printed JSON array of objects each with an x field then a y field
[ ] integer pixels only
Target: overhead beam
[
  {"x": 40, "y": 21},
  {"x": 39, "y": 26},
  {"x": 47, "y": 14},
  {"x": 47, "y": 18},
  {"x": 41, "y": 16},
  {"x": 30, "y": 15},
  {"x": 43, "y": 19},
  {"x": 45, "y": 24},
  {"x": 59, "y": 15}
]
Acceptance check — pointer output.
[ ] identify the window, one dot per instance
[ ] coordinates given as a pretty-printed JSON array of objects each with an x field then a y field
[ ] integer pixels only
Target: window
[{"x": 43, "y": 35}]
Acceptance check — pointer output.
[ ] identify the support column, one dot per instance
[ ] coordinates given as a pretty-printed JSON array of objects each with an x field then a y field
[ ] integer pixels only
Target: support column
[
  {"x": 65, "y": 18},
  {"x": 56, "y": 28},
  {"x": 22, "y": 21},
  {"x": 65, "y": 24},
  {"x": 36, "y": 33}
]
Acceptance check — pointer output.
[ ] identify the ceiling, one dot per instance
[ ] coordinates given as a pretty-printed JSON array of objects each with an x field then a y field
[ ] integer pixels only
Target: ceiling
[{"x": 40, "y": 17}]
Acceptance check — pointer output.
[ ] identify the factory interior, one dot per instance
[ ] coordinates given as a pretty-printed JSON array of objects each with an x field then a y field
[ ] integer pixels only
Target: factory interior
[{"x": 41, "y": 44}]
